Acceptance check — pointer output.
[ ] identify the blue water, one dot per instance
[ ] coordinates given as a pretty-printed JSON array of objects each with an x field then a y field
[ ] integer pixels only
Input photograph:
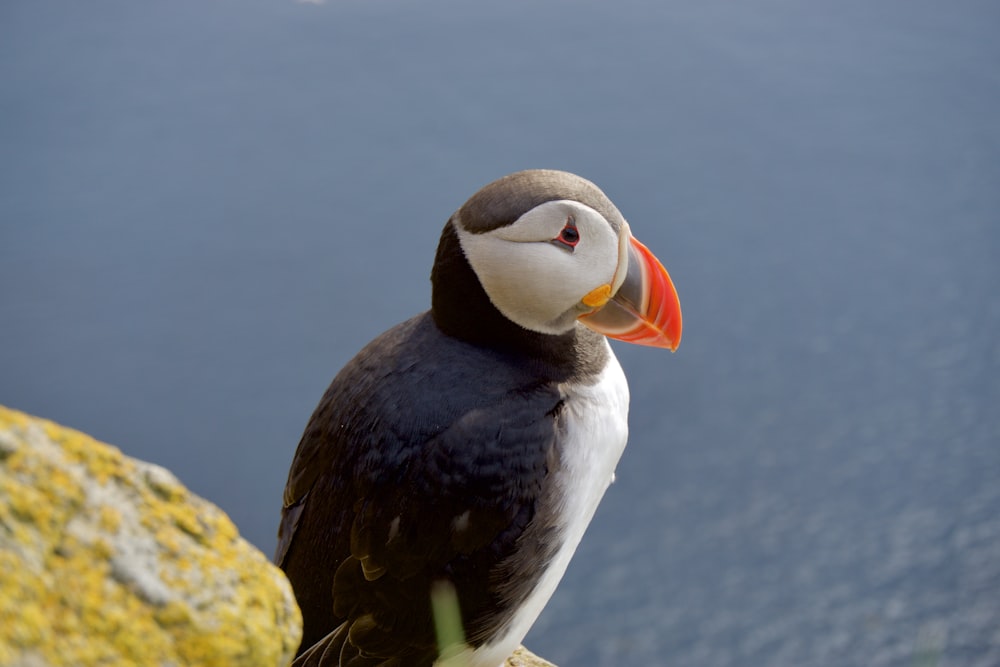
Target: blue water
[{"x": 207, "y": 207}]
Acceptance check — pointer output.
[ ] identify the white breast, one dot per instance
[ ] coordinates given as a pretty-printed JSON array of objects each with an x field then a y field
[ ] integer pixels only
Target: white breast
[{"x": 597, "y": 429}]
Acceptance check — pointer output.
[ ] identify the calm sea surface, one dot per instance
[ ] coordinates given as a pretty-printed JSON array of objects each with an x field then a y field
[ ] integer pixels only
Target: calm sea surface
[{"x": 206, "y": 208}]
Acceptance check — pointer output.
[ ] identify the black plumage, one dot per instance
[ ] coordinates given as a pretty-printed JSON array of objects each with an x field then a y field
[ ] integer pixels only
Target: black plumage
[{"x": 393, "y": 438}]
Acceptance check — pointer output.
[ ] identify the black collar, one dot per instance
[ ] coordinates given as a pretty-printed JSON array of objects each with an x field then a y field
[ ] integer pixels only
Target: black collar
[{"x": 461, "y": 309}]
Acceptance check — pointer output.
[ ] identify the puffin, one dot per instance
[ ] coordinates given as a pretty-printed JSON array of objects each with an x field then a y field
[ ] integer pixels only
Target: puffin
[{"x": 468, "y": 447}]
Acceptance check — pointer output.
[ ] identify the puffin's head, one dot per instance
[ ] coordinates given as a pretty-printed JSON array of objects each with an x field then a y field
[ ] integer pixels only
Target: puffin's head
[{"x": 550, "y": 249}]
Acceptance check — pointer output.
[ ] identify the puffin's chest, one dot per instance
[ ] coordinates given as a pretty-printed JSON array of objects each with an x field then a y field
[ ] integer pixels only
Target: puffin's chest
[{"x": 596, "y": 429}]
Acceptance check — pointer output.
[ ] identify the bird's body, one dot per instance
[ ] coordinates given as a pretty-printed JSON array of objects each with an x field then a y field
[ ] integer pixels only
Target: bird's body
[{"x": 463, "y": 447}]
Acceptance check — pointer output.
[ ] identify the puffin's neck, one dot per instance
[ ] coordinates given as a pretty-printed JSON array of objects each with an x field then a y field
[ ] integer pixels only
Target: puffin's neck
[{"x": 462, "y": 309}]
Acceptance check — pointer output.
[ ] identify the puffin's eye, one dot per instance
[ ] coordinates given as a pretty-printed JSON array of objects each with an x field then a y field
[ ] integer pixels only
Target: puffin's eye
[{"x": 569, "y": 236}]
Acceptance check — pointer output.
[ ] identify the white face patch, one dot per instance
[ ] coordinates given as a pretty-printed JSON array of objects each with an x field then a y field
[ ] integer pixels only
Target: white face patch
[{"x": 534, "y": 282}]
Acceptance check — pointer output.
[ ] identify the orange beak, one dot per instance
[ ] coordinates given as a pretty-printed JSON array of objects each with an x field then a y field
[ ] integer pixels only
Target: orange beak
[{"x": 645, "y": 310}]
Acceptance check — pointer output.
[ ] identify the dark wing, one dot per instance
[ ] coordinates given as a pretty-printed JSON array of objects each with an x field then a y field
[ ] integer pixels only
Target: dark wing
[{"x": 400, "y": 481}]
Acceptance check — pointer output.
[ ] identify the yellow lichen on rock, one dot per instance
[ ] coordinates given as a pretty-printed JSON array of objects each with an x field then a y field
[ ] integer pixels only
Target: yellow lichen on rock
[
  {"x": 522, "y": 657},
  {"x": 108, "y": 560}
]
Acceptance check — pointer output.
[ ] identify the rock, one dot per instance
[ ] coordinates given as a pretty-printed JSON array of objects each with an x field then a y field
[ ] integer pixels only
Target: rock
[
  {"x": 108, "y": 560},
  {"x": 524, "y": 658}
]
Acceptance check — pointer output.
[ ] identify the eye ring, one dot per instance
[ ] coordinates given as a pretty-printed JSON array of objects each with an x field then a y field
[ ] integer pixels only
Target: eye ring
[{"x": 569, "y": 235}]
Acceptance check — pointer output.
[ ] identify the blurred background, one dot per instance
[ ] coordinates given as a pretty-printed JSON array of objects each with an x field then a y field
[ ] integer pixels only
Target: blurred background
[{"x": 207, "y": 207}]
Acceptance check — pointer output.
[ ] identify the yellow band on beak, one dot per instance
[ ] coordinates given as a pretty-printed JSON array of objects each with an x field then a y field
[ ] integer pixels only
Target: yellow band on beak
[{"x": 598, "y": 297}]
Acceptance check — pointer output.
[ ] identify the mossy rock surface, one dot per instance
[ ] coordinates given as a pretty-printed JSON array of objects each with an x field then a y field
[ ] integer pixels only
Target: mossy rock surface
[
  {"x": 524, "y": 658},
  {"x": 106, "y": 560}
]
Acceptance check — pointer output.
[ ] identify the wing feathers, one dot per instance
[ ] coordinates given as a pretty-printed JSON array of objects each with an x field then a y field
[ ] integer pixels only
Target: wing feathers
[{"x": 399, "y": 481}]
